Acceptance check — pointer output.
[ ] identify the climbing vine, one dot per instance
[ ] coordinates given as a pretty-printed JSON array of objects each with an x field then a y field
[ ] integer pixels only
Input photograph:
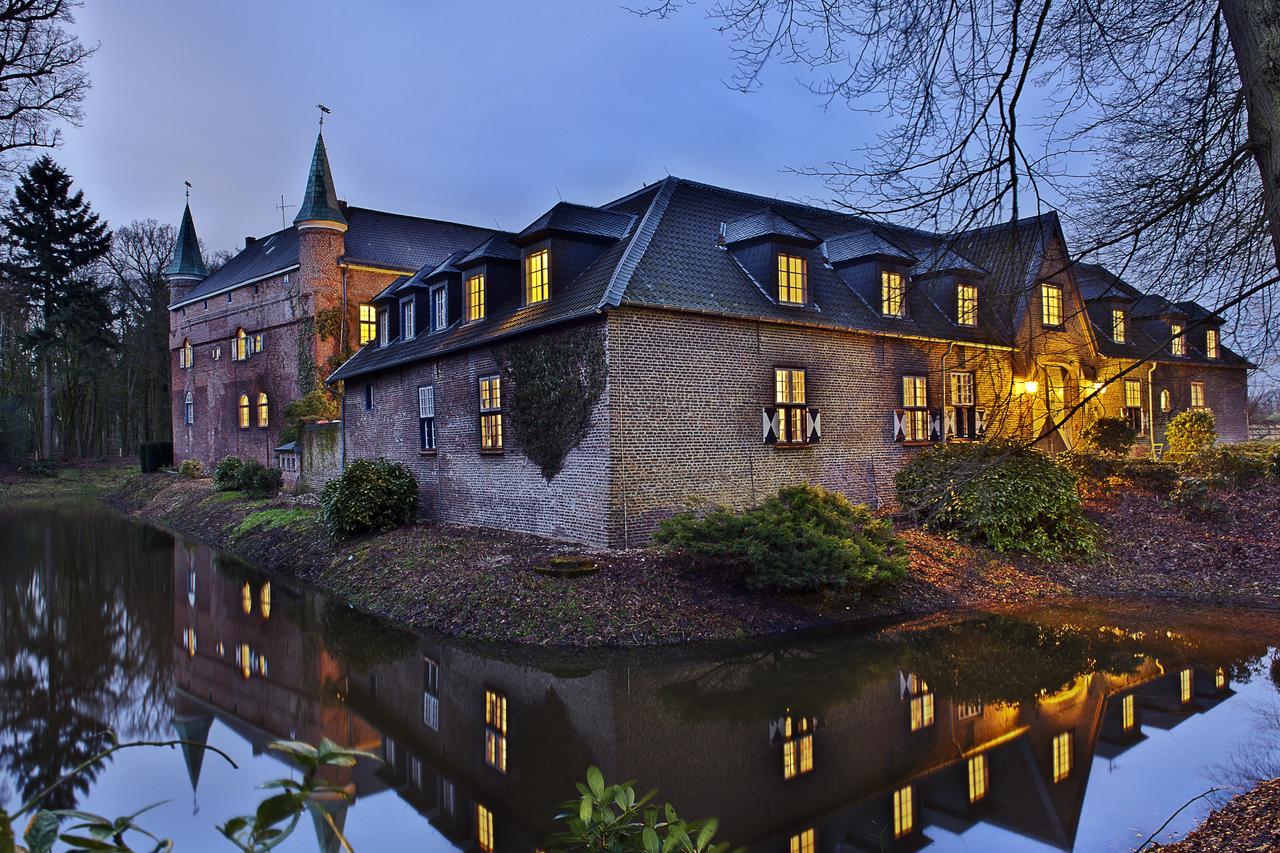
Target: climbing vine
[
  {"x": 551, "y": 384},
  {"x": 307, "y": 355}
]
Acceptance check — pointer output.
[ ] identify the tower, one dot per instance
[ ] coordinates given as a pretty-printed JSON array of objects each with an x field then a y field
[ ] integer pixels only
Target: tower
[
  {"x": 187, "y": 268},
  {"x": 321, "y": 226}
]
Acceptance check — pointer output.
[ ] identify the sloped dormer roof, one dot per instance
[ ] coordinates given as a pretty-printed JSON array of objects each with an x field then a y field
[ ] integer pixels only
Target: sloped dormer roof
[
  {"x": 863, "y": 243},
  {"x": 764, "y": 223},
  {"x": 577, "y": 220},
  {"x": 498, "y": 247}
]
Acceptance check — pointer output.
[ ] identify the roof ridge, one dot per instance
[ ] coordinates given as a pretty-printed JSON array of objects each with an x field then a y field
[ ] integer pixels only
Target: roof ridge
[
  {"x": 638, "y": 245},
  {"x": 434, "y": 219}
]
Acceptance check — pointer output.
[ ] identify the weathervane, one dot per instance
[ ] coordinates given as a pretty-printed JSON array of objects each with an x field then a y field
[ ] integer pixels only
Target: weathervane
[
  {"x": 188, "y": 183},
  {"x": 324, "y": 111}
]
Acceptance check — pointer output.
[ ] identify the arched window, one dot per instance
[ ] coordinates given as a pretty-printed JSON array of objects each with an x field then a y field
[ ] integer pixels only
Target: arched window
[
  {"x": 188, "y": 409},
  {"x": 240, "y": 346},
  {"x": 262, "y": 409},
  {"x": 1166, "y": 401},
  {"x": 244, "y": 411},
  {"x": 187, "y": 355}
]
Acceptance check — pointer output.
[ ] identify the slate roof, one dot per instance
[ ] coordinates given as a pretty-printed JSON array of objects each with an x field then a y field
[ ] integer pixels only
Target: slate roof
[
  {"x": 863, "y": 243},
  {"x": 497, "y": 247},
  {"x": 764, "y": 223},
  {"x": 267, "y": 256},
  {"x": 568, "y": 218},
  {"x": 320, "y": 201},
  {"x": 186, "y": 251}
]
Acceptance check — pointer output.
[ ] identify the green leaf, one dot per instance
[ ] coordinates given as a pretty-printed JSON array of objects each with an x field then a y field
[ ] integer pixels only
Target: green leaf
[
  {"x": 81, "y": 842},
  {"x": 584, "y": 810},
  {"x": 595, "y": 780},
  {"x": 275, "y": 809},
  {"x": 650, "y": 839},
  {"x": 708, "y": 830},
  {"x": 41, "y": 832}
]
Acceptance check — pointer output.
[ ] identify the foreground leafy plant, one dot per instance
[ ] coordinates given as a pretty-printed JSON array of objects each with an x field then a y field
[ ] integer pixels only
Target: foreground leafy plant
[
  {"x": 613, "y": 818},
  {"x": 371, "y": 496}
]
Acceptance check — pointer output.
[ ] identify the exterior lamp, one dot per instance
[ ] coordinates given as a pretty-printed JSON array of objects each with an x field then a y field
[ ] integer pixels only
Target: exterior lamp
[{"x": 1030, "y": 386}]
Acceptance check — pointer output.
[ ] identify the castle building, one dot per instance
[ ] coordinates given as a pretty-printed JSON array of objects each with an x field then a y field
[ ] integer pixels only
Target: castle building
[{"x": 588, "y": 375}]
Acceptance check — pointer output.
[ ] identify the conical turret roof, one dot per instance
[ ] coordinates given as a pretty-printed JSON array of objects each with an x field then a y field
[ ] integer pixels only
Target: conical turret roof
[
  {"x": 187, "y": 262},
  {"x": 320, "y": 202}
]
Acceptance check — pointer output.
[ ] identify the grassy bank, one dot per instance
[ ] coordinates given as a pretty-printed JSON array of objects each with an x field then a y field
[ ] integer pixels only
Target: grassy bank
[{"x": 87, "y": 481}]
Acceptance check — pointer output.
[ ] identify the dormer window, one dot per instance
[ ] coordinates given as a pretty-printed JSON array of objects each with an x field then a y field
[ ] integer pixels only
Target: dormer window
[
  {"x": 368, "y": 323},
  {"x": 966, "y": 305},
  {"x": 475, "y": 298},
  {"x": 793, "y": 279},
  {"x": 407, "y": 330},
  {"x": 1050, "y": 305},
  {"x": 537, "y": 277},
  {"x": 1117, "y": 325},
  {"x": 1211, "y": 343},
  {"x": 440, "y": 308},
  {"x": 893, "y": 294},
  {"x": 384, "y": 327},
  {"x": 186, "y": 355},
  {"x": 1177, "y": 343}
]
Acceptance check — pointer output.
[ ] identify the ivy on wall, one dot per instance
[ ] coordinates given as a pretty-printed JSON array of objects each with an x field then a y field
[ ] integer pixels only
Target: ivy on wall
[
  {"x": 551, "y": 384},
  {"x": 307, "y": 356}
]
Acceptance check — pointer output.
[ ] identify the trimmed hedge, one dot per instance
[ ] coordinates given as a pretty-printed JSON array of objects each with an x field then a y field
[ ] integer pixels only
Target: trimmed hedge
[
  {"x": 1001, "y": 494},
  {"x": 800, "y": 540},
  {"x": 372, "y": 495},
  {"x": 154, "y": 455}
]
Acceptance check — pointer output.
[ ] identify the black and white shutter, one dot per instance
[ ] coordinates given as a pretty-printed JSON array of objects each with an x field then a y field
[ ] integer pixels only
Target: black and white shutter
[
  {"x": 979, "y": 423},
  {"x": 935, "y": 425},
  {"x": 770, "y": 425},
  {"x": 899, "y": 425},
  {"x": 426, "y": 401},
  {"x": 950, "y": 422},
  {"x": 813, "y": 426}
]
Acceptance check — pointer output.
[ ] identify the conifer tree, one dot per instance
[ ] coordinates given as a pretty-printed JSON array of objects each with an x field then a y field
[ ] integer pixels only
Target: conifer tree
[{"x": 54, "y": 240}]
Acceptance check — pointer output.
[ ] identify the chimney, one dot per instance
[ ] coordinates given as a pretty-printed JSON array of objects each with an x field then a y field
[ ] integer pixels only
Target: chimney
[{"x": 248, "y": 241}]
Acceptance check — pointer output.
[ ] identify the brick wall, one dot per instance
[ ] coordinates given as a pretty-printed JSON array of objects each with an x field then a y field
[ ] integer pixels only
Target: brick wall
[
  {"x": 459, "y": 483},
  {"x": 321, "y": 451}
]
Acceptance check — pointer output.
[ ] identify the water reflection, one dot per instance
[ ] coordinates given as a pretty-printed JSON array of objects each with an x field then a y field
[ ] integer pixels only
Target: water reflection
[{"x": 919, "y": 735}]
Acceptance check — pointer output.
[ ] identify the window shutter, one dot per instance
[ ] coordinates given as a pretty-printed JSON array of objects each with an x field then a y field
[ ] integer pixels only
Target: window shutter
[
  {"x": 979, "y": 423},
  {"x": 935, "y": 425},
  {"x": 427, "y": 401},
  {"x": 813, "y": 425},
  {"x": 899, "y": 425},
  {"x": 950, "y": 422},
  {"x": 770, "y": 425}
]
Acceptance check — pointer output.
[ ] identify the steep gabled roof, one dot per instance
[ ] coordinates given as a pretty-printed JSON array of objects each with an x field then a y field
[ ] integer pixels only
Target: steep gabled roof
[
  {"x": 187, "y": 262},
  {"x": 320, "y": 200}
]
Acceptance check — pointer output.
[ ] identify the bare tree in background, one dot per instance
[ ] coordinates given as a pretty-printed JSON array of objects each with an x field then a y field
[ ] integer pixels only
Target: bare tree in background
[
  {"x": 42, "y": 77},
  {"x": 1152, "y": 125}
]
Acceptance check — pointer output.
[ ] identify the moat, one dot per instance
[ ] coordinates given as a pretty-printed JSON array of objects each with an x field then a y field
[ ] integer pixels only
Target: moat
[{"x": 1069, "y": 728}]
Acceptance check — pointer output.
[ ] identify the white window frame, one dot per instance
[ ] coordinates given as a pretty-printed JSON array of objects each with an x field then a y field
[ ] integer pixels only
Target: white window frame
[
  {"x": 189, "y": 409},
  {"x": 439, "y": 309},
  {"x": 1177, "y": 338},
  {"x": 384, "y": 327},
  {"x": 967, "y": 318},
  {"x": 426, "y": 417},
  {"x": 408, "y": 319},
  {"x": 1212, "y": 344}
]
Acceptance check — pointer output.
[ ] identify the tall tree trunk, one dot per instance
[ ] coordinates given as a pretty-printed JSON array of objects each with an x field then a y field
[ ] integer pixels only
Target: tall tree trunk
[
  {"x": 1254, "y": 29},
  {"x": 46, "y": 427}
]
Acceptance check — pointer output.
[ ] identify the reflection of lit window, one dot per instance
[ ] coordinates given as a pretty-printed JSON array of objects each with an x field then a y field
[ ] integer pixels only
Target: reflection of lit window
[
  {"x": 484, "y": 828},
  {"x": 246, "y": 661},
  {"x": 921, "y": 712},
  {"x": 246, "y": 598},
  {"x": 1061, "y": 756},
  {"x": 1184, "y": 685},
  {"x": 977, "y": 778},
  {"x": 191, "y": 587},
  {"x": 447, "y": 797},
  {"x": 430, "y": 694},
  {"x": 415, "y": 772},
  {"x": 189, "y": 640},
  {"x": 904, "y": 819},
  {"x": 1127, "y": 718},
  {"x": 264, "y": 600},
  {"x": 797, "y": 747},
  {"x": 967, "y": 710},
  {"x": 495, "y": 730},
  {"x": 1220, "y": 678},
  {"x": 803, "y": 842},
  {"x": 262, "y": 665}
]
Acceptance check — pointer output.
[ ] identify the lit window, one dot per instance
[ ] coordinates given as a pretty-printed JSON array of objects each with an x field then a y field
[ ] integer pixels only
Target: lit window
[
  {"x": 915, "y": 401},
  {"x": 893, "y": 294},
  {"x": 789, "y": 394},
  {"x": 797, "y": 747},
  {"x": 1220, "y": 678},
  {"x": 246, "y": 598},
  {"x": 186, "y": 355},
  {"x": 240, "y": 346},
  {"x": 407, "y": 318},
  {"x": 904, "y": 818},
  {"x": 1061, "y": 756},
  {"x": 244, "y": 411},
  {"x": 189, "y": 641},
  {"x": 537, "y": 276},
  {"x": 1117, "y": 325},
  {"x": 495, "y": 730},
  {"x": 1132, "y": 394},
  {"x": 1127, "y": 715},
  {"x": 258, "y": 340},
  {"x": 490, "y": 413},
  {"x": 1211, "y": 343},
  {"x": 1166, "y": 401},
  {"x": 440, "y": 308},
  {"x": 264, "y": 600},
  {"x": 1050, "y": 305},
  {"x": 245, "y": 656},
  {"x": 961, "y": 388},
  {"x": 803, "y": 842},
  {"x": 1197, "y": 395},
  {"x": 188, "y": 410},
  {"x": 1177, "y": 343},
  {"x": 978, "y": 777},
  {"x": 792, "y": 275},
  {"x": 263, "y": 420},
  {"x": 368, "y": 323},
  {"x": 427, "y": 417},
  {"x": 1184, "y": 686},
  {"x": 262, "y": 665},
  {"x": 921, "y": 712},
  {"x": 475, "y": 298},
  {"x": 484, "y": 828},
  {"x": 966, "y": 304},
  {"x": 384, "y": 327}
]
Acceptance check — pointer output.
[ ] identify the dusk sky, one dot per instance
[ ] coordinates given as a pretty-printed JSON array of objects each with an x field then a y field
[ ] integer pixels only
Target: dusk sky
[{"x": 474, "y": 113}]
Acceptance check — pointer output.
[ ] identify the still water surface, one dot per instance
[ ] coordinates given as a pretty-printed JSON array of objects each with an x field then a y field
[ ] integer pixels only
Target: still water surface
[{"x": 1068, "y": 729}]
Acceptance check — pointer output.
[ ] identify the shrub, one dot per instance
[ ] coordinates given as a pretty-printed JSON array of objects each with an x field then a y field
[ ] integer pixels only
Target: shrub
[
  {"x": 1190, "y": 432},
  {"x": 43, "y": 468},
  {"x": 372, "y": 495},
  {"x": 1148, "y": 475},
  {"x": 254, "y": 478},
  {"x": 1228, "y": 465},
  {"x": 1002, "y": 494},
  {"x": 1265, "y": 453},
  {"x": 319, "y": 404},
  {"x": 1194, "y": 495},
  {"x": 802, "y": 539},
  {"x": 154, "y": 455},
  {"x": 191, "y": 469},
  {"x": 1109, "y": 435},
  {"x": 1088, "y": 464},
  {"x": 226, "y": 474}
]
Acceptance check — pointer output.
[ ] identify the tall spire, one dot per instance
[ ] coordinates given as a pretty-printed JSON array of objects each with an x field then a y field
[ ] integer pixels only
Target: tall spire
[
  {"x": 187, "y": 262},
  {"x": 320, "y": 202}
]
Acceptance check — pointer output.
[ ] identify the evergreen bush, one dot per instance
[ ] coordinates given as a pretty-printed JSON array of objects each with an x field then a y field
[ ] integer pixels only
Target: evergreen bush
[
  {"x": 1190, "y": 432},
  {"x": 1001, "y": 494},
  {"x": 1148, "y": 475},
  {"x": 802, "y": 539},
  {"x": 1108, "y": 435},
  {"x": 257, "y": 479},
  {"x": 226, "y": 474},
  {"x": 1227, "y": 465},
  {"x": 372, "y": 495},
  {"x": 191, "y": 469}
]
